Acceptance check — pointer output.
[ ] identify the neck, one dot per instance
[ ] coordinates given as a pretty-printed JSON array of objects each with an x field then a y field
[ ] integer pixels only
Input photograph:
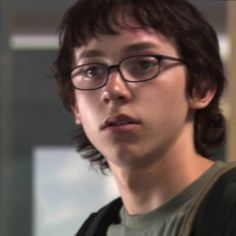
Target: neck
[{"x": 146, "y": 188}]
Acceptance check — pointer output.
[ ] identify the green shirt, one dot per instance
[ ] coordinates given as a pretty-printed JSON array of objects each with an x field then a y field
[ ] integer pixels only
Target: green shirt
[{"x": 165, "y": 220}]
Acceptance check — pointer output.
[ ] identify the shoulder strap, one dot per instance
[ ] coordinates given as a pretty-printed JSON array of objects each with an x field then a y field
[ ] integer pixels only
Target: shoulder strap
[
  {"x": 98, "y": 223},
  {"x": 216, "y": 210},
  {"x": 215, "y": 202},
  {"x": 86, "y": 225}
]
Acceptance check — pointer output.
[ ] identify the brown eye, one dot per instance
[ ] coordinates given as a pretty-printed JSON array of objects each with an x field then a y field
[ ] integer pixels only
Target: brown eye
[{"x": 93, "y": 71}]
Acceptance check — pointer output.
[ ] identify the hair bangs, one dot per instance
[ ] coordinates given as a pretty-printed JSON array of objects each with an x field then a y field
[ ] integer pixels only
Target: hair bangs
[{"x": 105, "y": 18}]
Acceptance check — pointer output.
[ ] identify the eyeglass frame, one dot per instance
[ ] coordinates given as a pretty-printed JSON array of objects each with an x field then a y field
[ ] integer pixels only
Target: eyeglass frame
[{"x": 110, "y": 68}]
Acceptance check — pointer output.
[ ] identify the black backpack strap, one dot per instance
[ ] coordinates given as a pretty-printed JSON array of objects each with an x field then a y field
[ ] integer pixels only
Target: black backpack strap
[
  {"x": 212, "y": 211},
  {"x": 231, "y": 226},
  {"x": 86, "y": 225},
  {"x": 98, "y": 223},
  {"x": 217, "y": 212}
]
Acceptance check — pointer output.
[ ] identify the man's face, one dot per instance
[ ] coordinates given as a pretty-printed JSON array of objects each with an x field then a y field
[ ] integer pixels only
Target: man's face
[{"x": 132, "y": 124}]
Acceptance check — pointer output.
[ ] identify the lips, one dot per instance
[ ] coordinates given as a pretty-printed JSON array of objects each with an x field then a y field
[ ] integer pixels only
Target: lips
[{"x": 119, "y": 120}]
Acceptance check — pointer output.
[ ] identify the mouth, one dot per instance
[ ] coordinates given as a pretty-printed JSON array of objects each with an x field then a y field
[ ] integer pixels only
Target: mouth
[{"x": 119, "y": 120}]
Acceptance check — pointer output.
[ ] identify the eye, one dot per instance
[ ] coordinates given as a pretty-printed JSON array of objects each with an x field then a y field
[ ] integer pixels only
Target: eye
[
  {"x": 93, "y": 71},
  {"x": 140, "y": 66},
  {"x": 143, "y": 64},
  {"x": 89, "y": 71}
]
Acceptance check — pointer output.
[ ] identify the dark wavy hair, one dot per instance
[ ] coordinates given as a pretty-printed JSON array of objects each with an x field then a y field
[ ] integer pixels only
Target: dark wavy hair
[{"x": 196, "y": 42}]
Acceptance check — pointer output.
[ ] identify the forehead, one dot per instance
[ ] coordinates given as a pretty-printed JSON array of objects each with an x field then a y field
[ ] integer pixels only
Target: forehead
[{"x": 127, "y": 42}]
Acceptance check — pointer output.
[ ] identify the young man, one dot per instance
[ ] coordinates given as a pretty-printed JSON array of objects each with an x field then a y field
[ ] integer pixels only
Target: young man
[{"x": 144, "y": 80}]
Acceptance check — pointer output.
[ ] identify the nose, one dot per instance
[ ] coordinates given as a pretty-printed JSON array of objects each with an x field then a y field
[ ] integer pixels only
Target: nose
[{"x": 116, "y": 89}]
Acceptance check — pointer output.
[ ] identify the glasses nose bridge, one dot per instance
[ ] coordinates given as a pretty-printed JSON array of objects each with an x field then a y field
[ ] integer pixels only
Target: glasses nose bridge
[{"x": 112, "y": 68}]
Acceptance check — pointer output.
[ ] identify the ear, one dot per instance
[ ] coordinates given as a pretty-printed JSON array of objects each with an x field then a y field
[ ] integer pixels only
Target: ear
[
  {"x": 76, "y": 115},
  {"x": 201, "y": 100}
]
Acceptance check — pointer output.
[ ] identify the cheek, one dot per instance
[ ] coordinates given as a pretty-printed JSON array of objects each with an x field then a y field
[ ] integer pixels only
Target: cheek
[
  {"x": 165, "y": 93},
  {"x": 165, "y": 101},
  {"x": 89, "y": 113}
]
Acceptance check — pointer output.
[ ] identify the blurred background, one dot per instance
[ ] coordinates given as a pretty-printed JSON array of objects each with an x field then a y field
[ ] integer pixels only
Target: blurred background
[{"x": 45, "y": 187}]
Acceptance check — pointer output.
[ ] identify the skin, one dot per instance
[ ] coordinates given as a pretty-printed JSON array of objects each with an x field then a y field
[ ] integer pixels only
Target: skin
[{"x": 156, "y": 159}]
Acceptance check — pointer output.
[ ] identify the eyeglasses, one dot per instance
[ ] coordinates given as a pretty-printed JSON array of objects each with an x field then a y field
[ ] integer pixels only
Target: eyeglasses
[{"x": 132, "y": 69}]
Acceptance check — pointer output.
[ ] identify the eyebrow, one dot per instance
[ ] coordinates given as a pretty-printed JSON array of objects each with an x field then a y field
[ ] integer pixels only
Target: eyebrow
[
  {"x": 141, "y": 46},
  {"x": 128, "y": 49},
  {"x": 91, "y": 53}
]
